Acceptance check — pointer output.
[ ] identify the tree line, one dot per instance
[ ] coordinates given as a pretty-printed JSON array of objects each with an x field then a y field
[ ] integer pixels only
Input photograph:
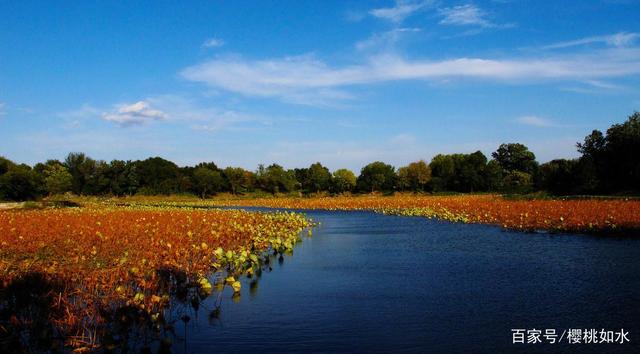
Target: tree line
[{"x": 609, "y": 164}]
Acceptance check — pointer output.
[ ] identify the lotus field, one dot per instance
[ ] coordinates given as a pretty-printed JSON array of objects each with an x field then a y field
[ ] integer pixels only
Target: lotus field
[
  {"x": 86, "y": 274},
  {"x": 571, "y": 215},
  {"x": 87, "y": 278}
]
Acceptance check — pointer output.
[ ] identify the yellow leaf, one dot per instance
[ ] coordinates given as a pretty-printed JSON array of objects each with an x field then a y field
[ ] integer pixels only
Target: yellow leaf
[
  {"x": 138, "y": 298},
  {"x": 236, "y": 286}
]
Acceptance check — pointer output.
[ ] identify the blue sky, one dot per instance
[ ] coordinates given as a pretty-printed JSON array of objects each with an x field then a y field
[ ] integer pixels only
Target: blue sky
[{"x": 294, "y": 82}]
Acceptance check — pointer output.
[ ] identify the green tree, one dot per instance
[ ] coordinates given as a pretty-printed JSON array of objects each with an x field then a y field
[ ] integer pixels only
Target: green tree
[
  {"x": 302, "y": 177},
  {"x": 157, "y": 176},
  {"x": 98, "y": 178},
  {"x": 460, "y": 172},
  {"x": 593, "y": 145},
  {"x": 443, "y": 171},
  {"x": 471, "y": 172},
  {"x": 131, "y": 180},
  {"x": 276, "y": 179},
  {"x": 57, "y": 179},
  {"x": 118, "y": 178},
  {"x": 519, "y": 167},
  {"x": 5, "y": 165},
  {"x": 343, "y": 181},
  {"x": 414, "y": 176},
  {"x": 377, "y": 176},
  {"x": 207, "y": 181},
  {"x": 595, "y": 162},
  {"x": 621, "y": 163},
  {"x": 516, "y": 157},
  {"x": 238, "y": 178},
  {"x": 210, "y": 165},
  {"x": 80, "y": 167},
  {"x": 493, "y": 176},
  {"x": 556, "y": 176},
  {"x": 19, "y": 183},
  {"x": 517, "y": 182},
  {"x": 613, "y": 157},
  {"x": 318, "y": 178}
]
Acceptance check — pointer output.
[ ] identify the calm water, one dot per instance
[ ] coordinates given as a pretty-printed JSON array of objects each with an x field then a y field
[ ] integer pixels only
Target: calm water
[{"x": 372, "y": 283}]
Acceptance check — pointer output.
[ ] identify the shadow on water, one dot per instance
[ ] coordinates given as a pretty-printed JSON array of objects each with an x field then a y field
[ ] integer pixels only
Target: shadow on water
[
  {"x": 27, "y": 312},
  {"x": 32, "y": 318}
]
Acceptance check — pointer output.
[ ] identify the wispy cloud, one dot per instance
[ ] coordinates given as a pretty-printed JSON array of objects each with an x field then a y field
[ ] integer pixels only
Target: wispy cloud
[
  {"x": 619, "y": 39},
  {"x": 169, "y": 108},
  {"x": 213, "y": 42},
  {"x": 134, "y": 114},
  {"x": 86, "y": 110},
  {"x": 464, "y": 15},
  {"x": 401, "y": 10},
  {"x": 223, "y": 121},
  {"x": 301, "y": 78},
  {"x": 386, "y": 39},
  {"x": 2, "y": 109},
  {"x": 598, "y": 87},
  {"x": 74, "y": 118},
  {"x": 604, "y": 85},
  {"x": 203, "y": 117},
  {"x": 536, "y": 121}
]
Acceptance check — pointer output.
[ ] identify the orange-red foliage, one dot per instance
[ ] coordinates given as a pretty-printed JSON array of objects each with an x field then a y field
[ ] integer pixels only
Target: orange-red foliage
[
  {"x": 110, "y": 257},
  {"x": 561, "y": 215}
]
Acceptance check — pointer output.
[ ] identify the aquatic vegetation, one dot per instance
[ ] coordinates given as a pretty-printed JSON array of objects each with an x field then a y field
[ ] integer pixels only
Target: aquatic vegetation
[
  {"x": 570, "y": 215},
  {"x": 100, "y": 267}
]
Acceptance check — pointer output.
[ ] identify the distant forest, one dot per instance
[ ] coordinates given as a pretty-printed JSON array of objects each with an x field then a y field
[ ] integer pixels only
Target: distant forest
[{"x": 609, "y": 164}]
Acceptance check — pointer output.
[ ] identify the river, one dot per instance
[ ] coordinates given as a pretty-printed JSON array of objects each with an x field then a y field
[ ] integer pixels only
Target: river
[{"x": 366, "y": 282}]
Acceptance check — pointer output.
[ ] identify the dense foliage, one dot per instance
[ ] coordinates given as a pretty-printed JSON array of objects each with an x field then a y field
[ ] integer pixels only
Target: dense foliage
[
  {"x": 609, "y": 164},
  {"x": 88, "y": 278}
]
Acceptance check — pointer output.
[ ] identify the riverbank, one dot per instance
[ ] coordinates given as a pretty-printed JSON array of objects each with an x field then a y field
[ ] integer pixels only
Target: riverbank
[{"x": 603, "y": 216}]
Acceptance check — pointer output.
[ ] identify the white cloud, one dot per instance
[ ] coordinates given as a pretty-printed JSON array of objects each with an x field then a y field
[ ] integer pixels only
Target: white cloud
[
  {"x": 603, "y": 85},
  {"x": 204, "y": 117},
  {"x": 306, "y": 79},
  {"x": 303, "y": 80},
  {"x": 170, "y": 108},
  {"x": 213, "y": 42},
  {"x": 401, "y": 10},
  {"x": 385, "y": 39},
  {"x": 599, "y": 87},
  {"x": 536, "y": 121},
  {"x": 619, "y": 39},
  {"x": 133, "y": 114},
  {"x": 464, "y": 15}
]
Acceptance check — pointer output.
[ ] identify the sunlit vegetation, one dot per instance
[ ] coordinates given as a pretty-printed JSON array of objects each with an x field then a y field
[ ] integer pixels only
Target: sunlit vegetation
[
  {"x": 569, "y": 215},
  {"x": 86, "y": 278}
]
